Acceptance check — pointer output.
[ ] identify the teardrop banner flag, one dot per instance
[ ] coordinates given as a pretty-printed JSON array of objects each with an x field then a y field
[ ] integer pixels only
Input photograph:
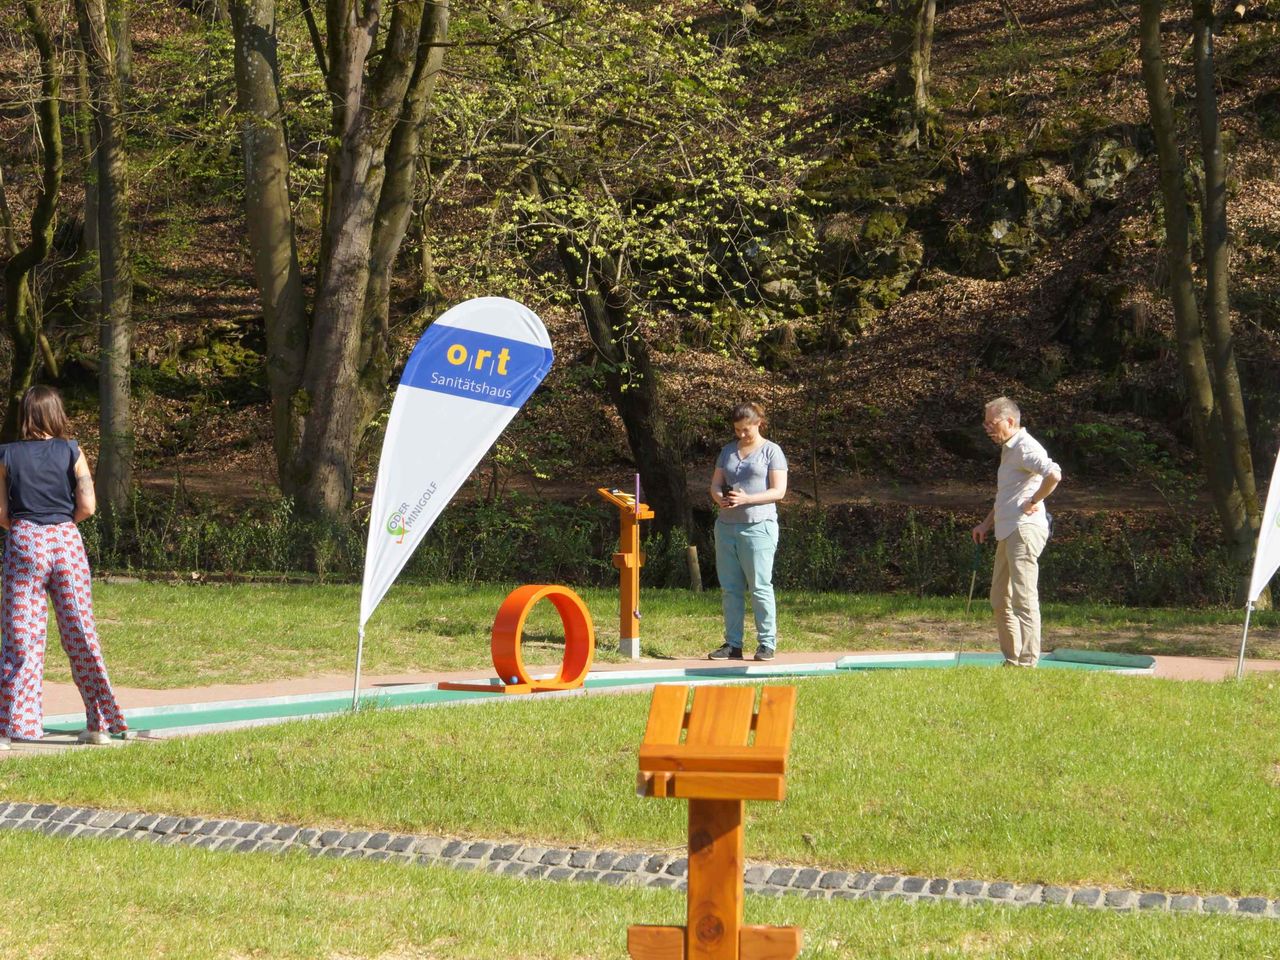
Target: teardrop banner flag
[
  {"x": 1266, "y": 558},
  {"x": 469, "y": 374}
]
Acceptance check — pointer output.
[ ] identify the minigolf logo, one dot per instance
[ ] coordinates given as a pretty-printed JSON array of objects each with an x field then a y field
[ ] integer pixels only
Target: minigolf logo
[
  {"x": 404, "y": 516},
  {"x": 395, "y": 525}
]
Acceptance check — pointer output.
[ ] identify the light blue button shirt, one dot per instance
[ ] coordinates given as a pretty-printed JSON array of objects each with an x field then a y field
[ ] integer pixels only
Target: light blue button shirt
[{"x": 1023, "y": 464}]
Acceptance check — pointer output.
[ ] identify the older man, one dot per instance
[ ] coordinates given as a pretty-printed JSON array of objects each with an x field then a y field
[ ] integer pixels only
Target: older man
[{"x": 1021, "y": 525}]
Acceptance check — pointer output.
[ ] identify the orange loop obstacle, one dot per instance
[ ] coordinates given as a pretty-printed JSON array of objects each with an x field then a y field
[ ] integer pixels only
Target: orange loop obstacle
[{"x": 508, "y": 629}]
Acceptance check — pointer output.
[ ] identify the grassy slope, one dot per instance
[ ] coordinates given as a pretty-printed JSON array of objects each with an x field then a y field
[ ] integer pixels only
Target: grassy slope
[
  {"x": 287, "y": 908},
  {"x": 173, "y": 635},
  {"x": 998, "y": 774}
]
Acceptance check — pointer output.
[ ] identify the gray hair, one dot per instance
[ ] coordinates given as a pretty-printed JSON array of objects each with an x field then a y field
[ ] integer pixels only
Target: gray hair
[{"x": 1003, "y": 407}]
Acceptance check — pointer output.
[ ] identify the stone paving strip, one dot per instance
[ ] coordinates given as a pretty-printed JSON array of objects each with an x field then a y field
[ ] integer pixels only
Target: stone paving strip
[{"x": 592, "y": 866}]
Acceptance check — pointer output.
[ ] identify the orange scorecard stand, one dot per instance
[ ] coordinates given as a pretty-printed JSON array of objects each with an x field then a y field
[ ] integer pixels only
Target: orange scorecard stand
[
  {"x": 508, "y": 628},
  {"x": 717, "y": 766}
]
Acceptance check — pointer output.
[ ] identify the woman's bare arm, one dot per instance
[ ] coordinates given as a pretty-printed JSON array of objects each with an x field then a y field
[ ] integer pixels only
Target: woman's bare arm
[{"x": 86, "y": 501}]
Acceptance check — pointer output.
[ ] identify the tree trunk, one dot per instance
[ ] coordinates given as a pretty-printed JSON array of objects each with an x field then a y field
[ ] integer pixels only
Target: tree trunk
[
  {"x": 395, "y": 208},
  {"x": 1217, "y": 261},
  {"x": 1207, "y": 419},
  {"x": 911, "y": 43},
  {"x": 214, "y": 11},
  {"x": 428, "y": 280},
  {"x": 121, "y": 41},
  {"x": 269, "y": 218},
  {"x": 349, "y": 336},
  {"x": 634, "y": 388},
  {"x": 115, "y": 459},
  {"x": 22, "y": 313},
  {"x": 89, "y": 295},
  {"x": 329, "y": 375}
]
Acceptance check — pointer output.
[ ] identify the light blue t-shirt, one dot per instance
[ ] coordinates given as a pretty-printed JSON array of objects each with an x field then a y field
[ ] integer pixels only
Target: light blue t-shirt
[{"x": 750, "y": 475}]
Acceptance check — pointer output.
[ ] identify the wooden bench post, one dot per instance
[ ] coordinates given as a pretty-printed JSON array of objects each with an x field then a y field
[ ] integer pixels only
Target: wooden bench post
[{"x": 717, "y": 767}]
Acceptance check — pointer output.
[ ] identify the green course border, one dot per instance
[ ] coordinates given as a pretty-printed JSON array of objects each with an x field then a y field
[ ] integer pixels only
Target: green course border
[{"x": 230, "y": 714}]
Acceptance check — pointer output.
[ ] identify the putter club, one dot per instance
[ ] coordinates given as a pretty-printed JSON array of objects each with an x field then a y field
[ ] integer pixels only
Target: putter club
[
  {"x": 973, "y": 576},
  {"x": 973, "y": 581}
]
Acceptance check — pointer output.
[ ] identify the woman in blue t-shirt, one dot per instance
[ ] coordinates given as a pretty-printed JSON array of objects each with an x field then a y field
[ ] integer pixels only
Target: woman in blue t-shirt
[
  {"x": 45, "y": 490},
  {"x": 749, "y": 480}
]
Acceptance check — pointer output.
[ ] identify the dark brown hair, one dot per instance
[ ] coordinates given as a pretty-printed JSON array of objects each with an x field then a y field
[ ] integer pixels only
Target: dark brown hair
[
  {"x": 42, "y": 415},
  {"x": 749, "y": 411}
]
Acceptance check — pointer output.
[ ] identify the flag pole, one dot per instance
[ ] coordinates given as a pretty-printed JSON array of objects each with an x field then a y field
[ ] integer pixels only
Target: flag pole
[
  {"x": 355, "y": 689},
  {"x": 636, "y": 507},
  {"x": 1243, "y": 640}
]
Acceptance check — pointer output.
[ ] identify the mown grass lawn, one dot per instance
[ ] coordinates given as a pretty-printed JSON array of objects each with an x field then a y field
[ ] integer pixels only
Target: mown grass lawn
[
  {"x": 176, "y": 635},
  {"x": 114, "y": 899},
  {"x": 1045, "y": 776}
]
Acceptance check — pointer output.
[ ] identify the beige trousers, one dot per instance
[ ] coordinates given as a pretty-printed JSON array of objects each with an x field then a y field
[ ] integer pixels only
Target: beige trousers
[{"x": 1015, "y": 594}]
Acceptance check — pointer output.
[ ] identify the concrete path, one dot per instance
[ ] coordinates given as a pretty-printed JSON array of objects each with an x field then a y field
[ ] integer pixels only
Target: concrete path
[{"x": 1209, "y": 668}]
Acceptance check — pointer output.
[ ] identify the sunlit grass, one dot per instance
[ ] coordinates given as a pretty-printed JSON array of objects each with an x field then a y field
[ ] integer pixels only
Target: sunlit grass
[
  {"x": 114, "y": 899},
  {"x": 172, "y": 635},
  {"x": 1045, "y": 776}
]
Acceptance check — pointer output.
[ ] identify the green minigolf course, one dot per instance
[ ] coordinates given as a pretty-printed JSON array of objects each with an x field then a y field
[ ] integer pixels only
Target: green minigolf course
[{"x": 230, "y": 714}]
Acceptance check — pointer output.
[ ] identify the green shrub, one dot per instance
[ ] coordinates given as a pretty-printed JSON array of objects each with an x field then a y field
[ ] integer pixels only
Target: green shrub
[
  {"x": 1140, "y": 558},
  {"x": 808, "y": 556}
]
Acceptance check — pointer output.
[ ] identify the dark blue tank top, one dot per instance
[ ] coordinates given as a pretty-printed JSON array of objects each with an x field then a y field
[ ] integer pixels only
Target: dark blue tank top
[{"x": 41, "y": 477}]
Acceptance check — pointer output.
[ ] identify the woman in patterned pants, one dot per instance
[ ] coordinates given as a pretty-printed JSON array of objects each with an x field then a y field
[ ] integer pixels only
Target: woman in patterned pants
[{"x": 45, "y": 490}]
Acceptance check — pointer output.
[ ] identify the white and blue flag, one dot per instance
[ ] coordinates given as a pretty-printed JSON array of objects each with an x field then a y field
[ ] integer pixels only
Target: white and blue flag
[
  {"x": 468, "y": 375},
  {"x": 1266, "y": 558}
]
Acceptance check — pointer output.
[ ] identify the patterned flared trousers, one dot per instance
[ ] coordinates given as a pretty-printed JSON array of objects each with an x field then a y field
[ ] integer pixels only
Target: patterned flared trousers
[{"x": 49, "y": 560}]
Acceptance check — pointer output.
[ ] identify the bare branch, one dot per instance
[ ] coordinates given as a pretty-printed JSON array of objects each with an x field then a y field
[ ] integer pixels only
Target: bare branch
[{"x": 317, "y": 42}]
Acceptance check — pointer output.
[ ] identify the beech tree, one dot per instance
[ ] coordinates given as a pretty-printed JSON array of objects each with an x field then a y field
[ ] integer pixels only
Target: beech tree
[
  {"x": 329, "y": 354},
  {"x": 23, "y": 314},
  {"x": 1206, "y": 341},
  {"x": 103, "y": 50},
  {"x": 618, "y": 147}
]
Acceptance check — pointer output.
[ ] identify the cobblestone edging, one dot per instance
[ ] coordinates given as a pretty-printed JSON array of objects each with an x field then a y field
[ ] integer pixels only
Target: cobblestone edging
[{"x": 592, "y": 866}]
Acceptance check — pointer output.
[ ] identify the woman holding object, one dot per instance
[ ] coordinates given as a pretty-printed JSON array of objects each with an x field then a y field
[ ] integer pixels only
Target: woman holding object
[{"x": 749, "y": 480}]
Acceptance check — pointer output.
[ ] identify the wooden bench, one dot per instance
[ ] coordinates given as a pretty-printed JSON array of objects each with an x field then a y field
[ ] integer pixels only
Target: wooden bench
[{"x": 717, "y": 754}]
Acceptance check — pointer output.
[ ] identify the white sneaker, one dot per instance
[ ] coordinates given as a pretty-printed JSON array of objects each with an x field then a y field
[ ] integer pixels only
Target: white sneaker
[
  {"x": 97, "y": 737},
  {"x": 4, "y": 744}
]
